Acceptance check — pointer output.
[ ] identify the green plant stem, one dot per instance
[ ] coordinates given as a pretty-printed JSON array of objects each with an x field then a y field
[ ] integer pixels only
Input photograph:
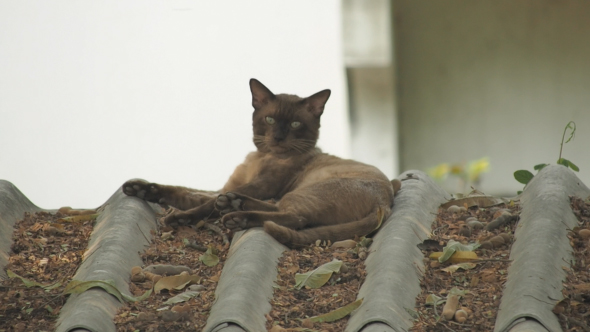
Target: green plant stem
[{"x": 563, "y": 137}]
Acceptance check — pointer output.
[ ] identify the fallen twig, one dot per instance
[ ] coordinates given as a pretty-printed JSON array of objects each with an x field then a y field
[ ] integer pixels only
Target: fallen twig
[
  {"x": 196, "y": 246},
  {"x": 145, "y": 237},
  {"x": 218, "y": 231}
]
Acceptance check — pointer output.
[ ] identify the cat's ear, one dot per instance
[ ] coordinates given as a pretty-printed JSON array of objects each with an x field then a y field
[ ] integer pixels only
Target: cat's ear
[
  {"x": 317, "y": 102},
  {"x": 260, "y": 94}
]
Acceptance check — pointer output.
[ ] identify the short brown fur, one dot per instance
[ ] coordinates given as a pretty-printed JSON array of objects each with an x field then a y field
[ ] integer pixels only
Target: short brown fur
[{"x": 318, "y": 196}]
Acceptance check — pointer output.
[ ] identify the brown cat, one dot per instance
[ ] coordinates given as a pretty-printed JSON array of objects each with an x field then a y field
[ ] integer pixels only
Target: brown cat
[{"x": 318, "y": 196}]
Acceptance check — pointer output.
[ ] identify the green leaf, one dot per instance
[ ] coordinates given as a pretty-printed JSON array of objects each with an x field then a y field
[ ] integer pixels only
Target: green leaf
[
  {"x": 432, "y": 299},
  {"x": 453, "y": 246},
  {"x": 571, "y": 165},
  {"x": 318, "y": 277},
  {"x": 539, "y": 167},
  {"x": 365, "y": 242},
  {"x": 79, "y": 286},
  {"x": 456, "y": 291},
  {"x": 209, "y": 258},
  {"x": 562, "y": 161},
  {"x": 32, "y": 283},
  {"x": 519, "y": 192},
  {"x": 337, "y": 314},
  {"x": 523, "y": 176}
]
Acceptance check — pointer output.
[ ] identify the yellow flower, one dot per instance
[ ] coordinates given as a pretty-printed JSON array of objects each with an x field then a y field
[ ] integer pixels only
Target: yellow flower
[
  {"x": 439, "y": 172},
  {"x": 457, "y": 169},
  {"x": 477, "y": 167}
]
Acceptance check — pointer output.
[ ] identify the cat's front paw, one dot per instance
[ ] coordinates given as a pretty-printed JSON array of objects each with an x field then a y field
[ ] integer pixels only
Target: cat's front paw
[
  {"x": 228, "y": 202},
  {"x": 144, "y": 190}
]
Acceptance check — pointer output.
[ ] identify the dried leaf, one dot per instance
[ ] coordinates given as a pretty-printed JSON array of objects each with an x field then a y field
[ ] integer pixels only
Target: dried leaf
[
  {"x": 453, "y": 246},
  {"x": 347, "y": 244},
  {"x": 338, "y": 313},
  {"x": 482, "y": 201},
  {"x": 79, "y": 218},
  {"x": 79, "y": 286},
  {"x": 176, "y": 282},
  {"x": 182, "y": 297},
  {"x": 457, "y": 257},
  {"x": 166, "y": 269},
  {"x": 464, "y": 266},
  {"x": 318, "y": 277},
  {"x": 380, "y": 216}
]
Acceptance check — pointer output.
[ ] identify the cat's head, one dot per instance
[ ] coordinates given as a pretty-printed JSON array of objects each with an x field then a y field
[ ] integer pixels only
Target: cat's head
[{"x": 285, "y": 124}]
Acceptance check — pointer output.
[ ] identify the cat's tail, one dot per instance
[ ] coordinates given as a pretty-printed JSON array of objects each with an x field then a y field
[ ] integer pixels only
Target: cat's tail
[{"x": 295, "y": 238}]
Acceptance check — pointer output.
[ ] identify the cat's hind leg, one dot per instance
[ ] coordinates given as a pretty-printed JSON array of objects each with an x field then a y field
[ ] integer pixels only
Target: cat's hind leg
[
  {"x": 247, "y": 219},
  {"x": 230, "y": 202},
  {"x": 337, "y": 232}
]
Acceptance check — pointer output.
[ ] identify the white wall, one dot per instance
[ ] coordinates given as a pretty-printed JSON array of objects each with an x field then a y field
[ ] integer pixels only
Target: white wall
[
  {"x": 95, "y": 93},
  {"x": 374, "y": 118},
  {"x": 371, "y": 83},
  {"x": 496, "y": 78}
]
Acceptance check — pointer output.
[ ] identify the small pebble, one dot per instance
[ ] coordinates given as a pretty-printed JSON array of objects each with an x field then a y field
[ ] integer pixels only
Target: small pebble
[
  {"x": 460, "y": 316},
  {"x": 454, "y": 209},
  {"x": 486, "y": 245},
  {"x": 145, "y": 316},
  {"x": 584, "y": 233},
  {"x": 507, "y": 237},
  {"x": 497, "y": 241},
  {"x": 347, "y": 244},
  {"x": 196, "y": 288},
  {"x": 465, "y": 231},
  {"x": 181, "y": 308},
  {"x": 306, "y": 323},
  {"x": 166, "y": 235},
  {"x": 344, "y": 268},
  {"x": 475, "y": 224}
]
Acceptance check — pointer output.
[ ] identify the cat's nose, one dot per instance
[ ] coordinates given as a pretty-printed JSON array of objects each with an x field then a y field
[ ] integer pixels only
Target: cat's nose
[{"x": 279, "y": 137}]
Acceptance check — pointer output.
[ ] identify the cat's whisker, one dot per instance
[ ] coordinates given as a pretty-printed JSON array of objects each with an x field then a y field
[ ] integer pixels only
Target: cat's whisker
[
  {"x": 260, "y": 140},
  {"x": 302, "y": 145},
  {"x": 298, "y": 148}
]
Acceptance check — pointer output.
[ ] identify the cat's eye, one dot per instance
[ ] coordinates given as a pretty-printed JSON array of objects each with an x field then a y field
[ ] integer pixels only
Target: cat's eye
[
  {"x": 295, "y": 124},
  {"x": 269, "y": 120}
]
